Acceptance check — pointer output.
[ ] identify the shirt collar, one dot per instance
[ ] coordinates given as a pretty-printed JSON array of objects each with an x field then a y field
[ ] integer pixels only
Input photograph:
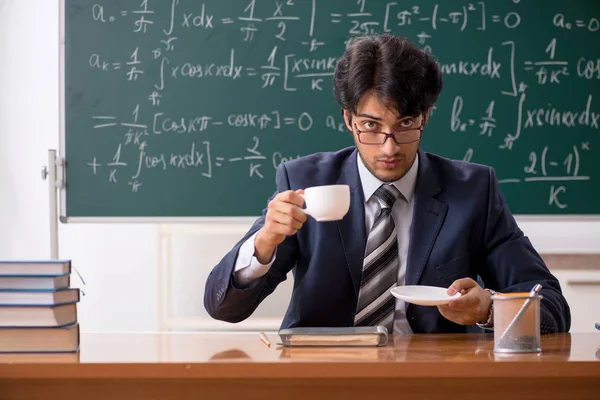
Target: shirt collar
[{"x": 406, "y": 184}]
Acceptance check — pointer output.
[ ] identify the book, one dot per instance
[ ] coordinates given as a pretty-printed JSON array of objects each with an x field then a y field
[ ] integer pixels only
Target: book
[
  {"x": 326, "y": 336},
  {"x": 34, "y": 282},
  {"x": 354, "y": 353},
  {"x": 40, "y": 358},
  {"x": 38, "y": 297},
  {"x": 35, "y": 267},
  {"x": 38, "y": 316},
  {"x": 64, "y": 339}
]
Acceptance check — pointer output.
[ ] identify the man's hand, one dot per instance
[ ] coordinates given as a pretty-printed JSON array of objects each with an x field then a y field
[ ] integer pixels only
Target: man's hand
[
  {"x": 472, "y": 306},
  {"x": 284, "y": 218}
]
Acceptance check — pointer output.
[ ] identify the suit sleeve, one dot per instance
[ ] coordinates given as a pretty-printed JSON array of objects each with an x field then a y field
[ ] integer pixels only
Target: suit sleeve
[
  {"x": 513, "y": 265},
  {"x": 225, "y": 301},
  {"x": 248, "y": 269}
]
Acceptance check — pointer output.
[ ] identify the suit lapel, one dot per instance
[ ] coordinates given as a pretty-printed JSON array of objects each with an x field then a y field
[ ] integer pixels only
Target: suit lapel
[
  {"x": 352, "y": 226},
  {"x": 428, "y": 216}
]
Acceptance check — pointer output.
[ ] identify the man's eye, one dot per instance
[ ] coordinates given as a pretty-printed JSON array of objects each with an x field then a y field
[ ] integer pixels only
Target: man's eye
[
  {"x": 407, "y": 123},
  {"x": 370, "y": 125}
]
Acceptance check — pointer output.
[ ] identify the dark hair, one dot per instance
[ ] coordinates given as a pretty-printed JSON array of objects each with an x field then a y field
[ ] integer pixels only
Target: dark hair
[{"x": 404, "y": 76}]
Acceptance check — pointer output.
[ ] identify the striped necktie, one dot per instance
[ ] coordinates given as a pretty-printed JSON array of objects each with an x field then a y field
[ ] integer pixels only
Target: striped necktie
[{"x": 380, "y": 267}]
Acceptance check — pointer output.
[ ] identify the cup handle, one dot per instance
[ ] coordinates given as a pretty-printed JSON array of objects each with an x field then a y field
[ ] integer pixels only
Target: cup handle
[{"x": 305, "y": 210}]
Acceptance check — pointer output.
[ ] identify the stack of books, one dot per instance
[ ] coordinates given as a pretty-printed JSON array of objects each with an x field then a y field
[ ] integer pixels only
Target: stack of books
[{"x": 38, "y": 308}]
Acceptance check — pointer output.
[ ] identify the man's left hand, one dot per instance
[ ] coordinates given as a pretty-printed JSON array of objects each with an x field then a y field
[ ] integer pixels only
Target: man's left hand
[{"x": 471, "y": 307}]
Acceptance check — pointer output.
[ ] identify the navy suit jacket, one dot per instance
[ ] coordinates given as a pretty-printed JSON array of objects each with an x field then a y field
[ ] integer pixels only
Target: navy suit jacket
[{"x": 461, "y": 228}]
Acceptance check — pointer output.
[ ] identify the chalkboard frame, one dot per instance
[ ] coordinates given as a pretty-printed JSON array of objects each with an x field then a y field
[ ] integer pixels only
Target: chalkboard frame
[{"x": 63, "y": 192}]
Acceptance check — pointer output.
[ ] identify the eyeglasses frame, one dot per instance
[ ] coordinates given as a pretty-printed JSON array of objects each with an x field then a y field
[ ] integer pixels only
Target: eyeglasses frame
[{"x": 391, "y": 135}]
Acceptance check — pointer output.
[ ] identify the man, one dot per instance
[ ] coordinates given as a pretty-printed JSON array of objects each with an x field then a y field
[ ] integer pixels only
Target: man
[{"x": 415, "y": 218}]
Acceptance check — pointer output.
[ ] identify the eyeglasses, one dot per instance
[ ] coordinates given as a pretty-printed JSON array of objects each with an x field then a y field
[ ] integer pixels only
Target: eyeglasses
[{"x": 401, "y": 136}]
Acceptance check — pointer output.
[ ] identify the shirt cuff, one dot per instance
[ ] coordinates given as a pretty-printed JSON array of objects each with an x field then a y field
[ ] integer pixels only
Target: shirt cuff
[{"x": 247, "y": 267}]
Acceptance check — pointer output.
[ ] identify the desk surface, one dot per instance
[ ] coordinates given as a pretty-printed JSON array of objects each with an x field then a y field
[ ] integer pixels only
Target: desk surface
[{"x": 243, "y": 355}]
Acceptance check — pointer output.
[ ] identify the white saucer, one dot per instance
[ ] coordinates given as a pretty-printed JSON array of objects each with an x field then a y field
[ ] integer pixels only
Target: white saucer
[{"x": 423, "y": 295}]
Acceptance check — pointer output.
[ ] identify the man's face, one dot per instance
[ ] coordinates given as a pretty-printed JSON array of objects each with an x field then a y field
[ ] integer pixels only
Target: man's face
[{"x": 388, "y": 161}]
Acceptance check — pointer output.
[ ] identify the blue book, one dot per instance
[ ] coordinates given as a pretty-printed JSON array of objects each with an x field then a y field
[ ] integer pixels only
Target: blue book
[
  {"x": 38, "y": 316},
  {"x": 38, "y": 297},
  {"x": 34, "y": 267},
  {"x": 62, "y": 339},
  {"x": 35, "y": 282}
]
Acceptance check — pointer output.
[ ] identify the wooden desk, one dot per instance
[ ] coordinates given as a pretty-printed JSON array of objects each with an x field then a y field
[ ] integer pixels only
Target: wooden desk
[{"x": 236, "y": 365}]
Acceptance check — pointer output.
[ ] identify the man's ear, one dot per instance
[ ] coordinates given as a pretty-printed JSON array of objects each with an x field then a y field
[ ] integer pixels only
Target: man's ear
[{"x": 348, "y": 119}]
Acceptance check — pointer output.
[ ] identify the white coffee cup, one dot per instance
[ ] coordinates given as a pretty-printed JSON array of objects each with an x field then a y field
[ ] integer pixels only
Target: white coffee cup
[{"x": 327, "y": 203}]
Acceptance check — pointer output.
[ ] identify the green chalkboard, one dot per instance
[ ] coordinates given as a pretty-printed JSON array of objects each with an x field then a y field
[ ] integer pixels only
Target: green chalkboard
[{"x": 184, "y": 108}]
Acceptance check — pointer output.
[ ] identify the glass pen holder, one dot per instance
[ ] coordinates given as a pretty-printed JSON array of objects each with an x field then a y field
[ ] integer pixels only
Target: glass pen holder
[{"x": 516, "y": 323}]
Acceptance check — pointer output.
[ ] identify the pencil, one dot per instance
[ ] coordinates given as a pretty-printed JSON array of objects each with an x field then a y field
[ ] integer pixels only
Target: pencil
[{"x": 264, "y": 339}]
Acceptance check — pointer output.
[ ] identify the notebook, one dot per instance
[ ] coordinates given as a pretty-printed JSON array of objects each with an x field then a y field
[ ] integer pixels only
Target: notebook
[
  {"x": 329, "y": 336},
  {"x": 64, "y": 339}
]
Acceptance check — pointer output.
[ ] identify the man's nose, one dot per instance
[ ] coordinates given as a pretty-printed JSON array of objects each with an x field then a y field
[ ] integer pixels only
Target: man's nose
[{"x": 390, "y": 147}]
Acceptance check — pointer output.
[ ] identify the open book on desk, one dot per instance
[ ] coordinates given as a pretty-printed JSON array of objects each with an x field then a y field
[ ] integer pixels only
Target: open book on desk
[{"x": 343, "y": 336}]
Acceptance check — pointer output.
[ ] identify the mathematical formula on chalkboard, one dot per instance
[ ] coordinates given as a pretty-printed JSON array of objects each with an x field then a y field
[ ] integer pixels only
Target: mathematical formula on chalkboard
[{"x": 512, "y": 95}]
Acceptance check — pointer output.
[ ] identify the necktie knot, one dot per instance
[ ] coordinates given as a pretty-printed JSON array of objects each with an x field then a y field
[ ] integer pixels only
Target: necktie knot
[{"x": 388, "y": 194}]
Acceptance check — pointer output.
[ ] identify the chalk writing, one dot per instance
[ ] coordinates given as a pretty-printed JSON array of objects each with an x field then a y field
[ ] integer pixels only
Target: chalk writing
[{"x": 203, "y": 92}]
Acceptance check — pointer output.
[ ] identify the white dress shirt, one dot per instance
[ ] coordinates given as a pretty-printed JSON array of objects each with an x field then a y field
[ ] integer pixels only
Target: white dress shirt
[{"x": 247, "y": 268}]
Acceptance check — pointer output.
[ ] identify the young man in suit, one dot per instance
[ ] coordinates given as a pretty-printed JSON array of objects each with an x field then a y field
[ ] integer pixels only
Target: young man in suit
[{"x": 415, "y": 219}]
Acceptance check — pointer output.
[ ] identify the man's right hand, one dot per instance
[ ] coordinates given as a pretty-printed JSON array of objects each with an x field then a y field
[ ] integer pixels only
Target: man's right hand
[{"x": 284, "y": 218}]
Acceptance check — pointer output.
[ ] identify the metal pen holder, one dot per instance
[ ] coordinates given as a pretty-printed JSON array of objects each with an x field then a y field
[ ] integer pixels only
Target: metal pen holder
[{"x": 517, "y": 323}]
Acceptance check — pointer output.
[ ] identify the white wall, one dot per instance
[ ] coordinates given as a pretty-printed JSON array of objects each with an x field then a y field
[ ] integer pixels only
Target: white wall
[{"x": 119, "y": 262}]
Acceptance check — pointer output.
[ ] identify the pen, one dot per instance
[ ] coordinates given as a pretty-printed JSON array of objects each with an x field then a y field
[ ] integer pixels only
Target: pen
[{"x": 264, "y": 339}]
